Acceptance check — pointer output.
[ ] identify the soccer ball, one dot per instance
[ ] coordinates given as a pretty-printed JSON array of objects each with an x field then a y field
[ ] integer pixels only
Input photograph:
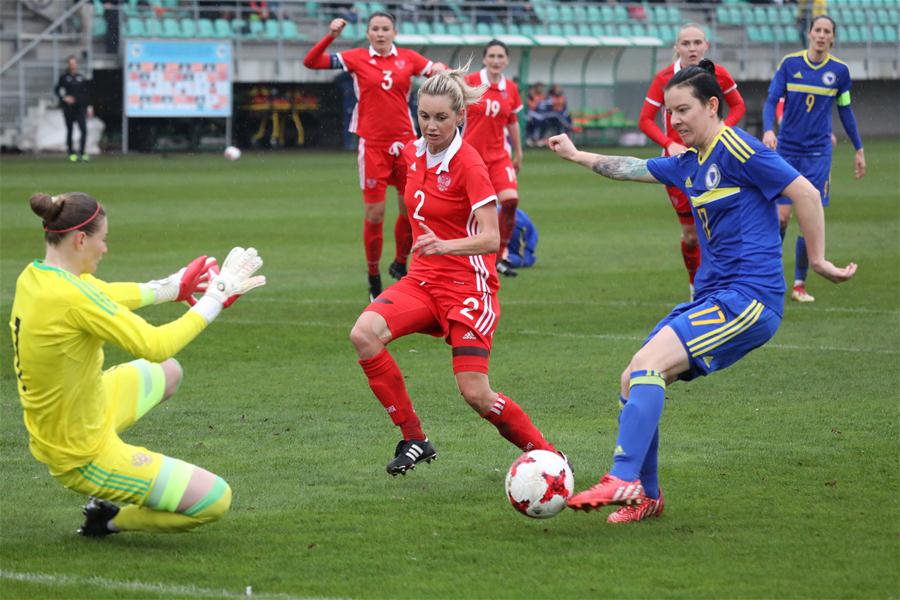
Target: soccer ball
[
  {"x": 539, "y": 483},
  {"x": 232, "y": 153}
]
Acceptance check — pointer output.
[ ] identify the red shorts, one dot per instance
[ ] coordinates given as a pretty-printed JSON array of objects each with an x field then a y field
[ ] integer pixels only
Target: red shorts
[
  {"x": 378, "y": 168},
  {"x": 681, "y": 204},
  {"x": 502, "y": 174},
  {"x": 465, "y": 318}
]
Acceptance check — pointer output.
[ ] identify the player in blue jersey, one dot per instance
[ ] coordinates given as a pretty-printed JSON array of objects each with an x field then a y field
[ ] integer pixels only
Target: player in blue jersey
[
  {"x": 732, "y": 181},
  {"x": 810, "y": 81}
]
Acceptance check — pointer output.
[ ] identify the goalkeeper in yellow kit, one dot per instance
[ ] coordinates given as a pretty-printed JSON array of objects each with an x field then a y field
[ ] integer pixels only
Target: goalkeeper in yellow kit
[{"x": 74, "y": 411}]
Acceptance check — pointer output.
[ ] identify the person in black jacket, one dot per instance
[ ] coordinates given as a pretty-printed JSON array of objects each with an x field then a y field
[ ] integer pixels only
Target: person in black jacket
[{"x": 72, "y": 89}]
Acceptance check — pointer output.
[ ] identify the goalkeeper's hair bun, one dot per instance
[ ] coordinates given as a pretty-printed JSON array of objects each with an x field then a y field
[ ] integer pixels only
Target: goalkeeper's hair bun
[
  {"x": 45, "y": 206},
  {"x": 64, "y": 213}
]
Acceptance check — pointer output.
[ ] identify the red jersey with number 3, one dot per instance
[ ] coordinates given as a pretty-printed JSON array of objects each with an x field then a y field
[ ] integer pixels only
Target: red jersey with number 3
[
  {"x": 445, "y": 198},
  {"x": 658, "y": 86},
  {"x": 486, "y": 120},
  {"x": 382, "y": 86}
]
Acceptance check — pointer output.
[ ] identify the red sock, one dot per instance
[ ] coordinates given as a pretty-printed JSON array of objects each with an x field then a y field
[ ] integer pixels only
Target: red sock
[
  {"x": 691, "y": 258},
  {"x": 386, "y": 382},
  {"x": 403, "y": 238},
  {"x": 507, "y": 223},
  {"x": 373, "y": 239},
  {"x": 515, "y": 425}
]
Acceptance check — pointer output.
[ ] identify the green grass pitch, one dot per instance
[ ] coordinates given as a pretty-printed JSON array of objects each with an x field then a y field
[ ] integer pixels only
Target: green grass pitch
[{"x": 780, "y": 473}]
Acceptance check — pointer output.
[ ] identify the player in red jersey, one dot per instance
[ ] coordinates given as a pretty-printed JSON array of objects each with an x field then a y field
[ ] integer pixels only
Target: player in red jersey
[
  {"x": 451, "y": 288},
  {"x": 382, "y": 75},
  {"x": 487, "y": 124},
  {"x": 690, "y": 49}
]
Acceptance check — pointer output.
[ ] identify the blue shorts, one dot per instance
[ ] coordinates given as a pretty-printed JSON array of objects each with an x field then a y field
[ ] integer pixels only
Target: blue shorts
[
  {"x": 719, "y": 330},
  {"x": 815, "y": 168}
]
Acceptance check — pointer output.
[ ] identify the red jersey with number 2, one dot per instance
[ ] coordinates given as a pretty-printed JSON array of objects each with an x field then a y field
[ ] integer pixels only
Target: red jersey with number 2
[
  {"x": 486, "y": 120},
  {"x": 382, "y": 85},
  {"x": 445, "y": 198}
]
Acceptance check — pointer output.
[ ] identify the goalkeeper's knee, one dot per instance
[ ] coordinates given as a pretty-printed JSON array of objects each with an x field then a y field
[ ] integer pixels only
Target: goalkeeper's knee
[{"x": 214, "y": 504}]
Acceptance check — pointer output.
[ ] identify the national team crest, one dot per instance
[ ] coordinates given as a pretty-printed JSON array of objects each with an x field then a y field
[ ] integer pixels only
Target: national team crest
[
  {"x": 828, "y": 78},
  {"x": 713, "y": 177},
  {"x": 443, "y": 182},
  {"x": 371, "y": 183},
  {"x": 400, "y": 62}
]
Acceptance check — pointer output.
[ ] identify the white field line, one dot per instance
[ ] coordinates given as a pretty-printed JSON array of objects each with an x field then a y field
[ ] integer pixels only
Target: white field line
[{"x": 135, "y": 586}]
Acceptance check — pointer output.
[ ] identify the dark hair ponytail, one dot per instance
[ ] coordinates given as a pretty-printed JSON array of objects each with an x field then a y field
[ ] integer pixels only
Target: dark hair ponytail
[
  {"x": 703, "y": 83},
  {"x": 62, "y": 214},
  {"x": 495, "y": 42}
]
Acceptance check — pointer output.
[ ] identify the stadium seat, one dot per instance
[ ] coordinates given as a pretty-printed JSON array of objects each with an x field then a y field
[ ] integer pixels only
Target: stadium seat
[
  {"x": 289, "y": 31},
  {"x": 878, "y": 36},
  {"x": 188, "y": 28},
  {"x": 272, "y": 30},
  {"x": 497, "y": 29},
  {"x": 205, "y": 28},
  {"x": 606, "y": 13},
  {"x": 722, "y": 15},
  {"x": 620, "y": 15},
  {"x": 222, "y": 28},
  {"x": 153, "y": 28},
  {"x": 781, "y": 34},
  {"x": 674, "y": 15},
  {"x": 854, "y": 35},
  {"x": 439, "y": 28},
  {"x": 624, "y": 30},
  {"x": 483, "y": 29},
  {"x": 593, "y": 13},
  {"x": 257, "y": 28},
  {"x": 890, "y": 34},
  {"x": 566, "y": 14}
]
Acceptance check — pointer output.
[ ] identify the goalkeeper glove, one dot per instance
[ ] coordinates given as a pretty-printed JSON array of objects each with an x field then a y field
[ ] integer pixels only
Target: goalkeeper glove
[
  {"x": 180, "y": 285},
  {"x": 233, "y": 280}
]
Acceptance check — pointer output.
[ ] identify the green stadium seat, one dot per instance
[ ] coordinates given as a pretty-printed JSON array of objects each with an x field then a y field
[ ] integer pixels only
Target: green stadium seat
[
  {"x": 597, "y": 29},
  {"x": 786, "y": 16},
  {"x": 223, "y": 28},
  {"x": 99, "y": 28},
  {"x": 312, "y": 8},
  {"x": 569, "y": 29},
  {"x": 607, "y": 14},
  {"x": 454, "y": 29},
  {"x": 289, "y": 31},
  {"x": 625, "y": 30},
  {"x": 483, "y": 29},
  {"x": 759, "y": 16},
  {"x": 639, "y": 29},
  {"x": 781, "y": 34},
  {"x": 854, "y": 35},
  {"x": 593, "y": 13},
  {"x": 257, "y": 28},
  {"x": 772, "y": 15},
  {"x": 188, "y": 28},
  {"x": 860, "y": 17},
  {"x": 205, "y": 28},
  {"x": 168, "y": 28},
  {"x": 555, "y": 29},
  {"x": 735, "y": 15},
  {"x": 237, "y": 27},
  {"x": 878, "y": 36},
  {"x": 272, "y": 30},
  {"x": 620, "y": 15},
  {"x": 498, "y": 29},
  {"x": 890, "y": 34},
  {"x": 722, "y": 15},
  {"x": 674, "y": 15},
  {"x": 566, "y": 14},
  {"x": 580, "y": 13}
]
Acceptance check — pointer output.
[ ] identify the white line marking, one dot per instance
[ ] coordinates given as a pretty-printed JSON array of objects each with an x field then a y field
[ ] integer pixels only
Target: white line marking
[{"x": 136, "y": 586}]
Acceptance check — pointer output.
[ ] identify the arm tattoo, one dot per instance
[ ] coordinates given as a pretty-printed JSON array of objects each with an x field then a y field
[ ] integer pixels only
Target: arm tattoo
[{"x": 623, "y": 168}]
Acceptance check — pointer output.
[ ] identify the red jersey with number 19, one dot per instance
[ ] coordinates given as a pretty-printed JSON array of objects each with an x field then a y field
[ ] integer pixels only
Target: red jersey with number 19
[
  {"x": 445, "y": 198},
  {"x": 487, "y": 119},
  {"x": 382, "y": 89}
]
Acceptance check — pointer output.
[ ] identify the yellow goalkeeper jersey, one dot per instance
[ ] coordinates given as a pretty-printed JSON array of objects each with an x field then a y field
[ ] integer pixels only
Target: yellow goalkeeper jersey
[{"x": 59, "y": 324}]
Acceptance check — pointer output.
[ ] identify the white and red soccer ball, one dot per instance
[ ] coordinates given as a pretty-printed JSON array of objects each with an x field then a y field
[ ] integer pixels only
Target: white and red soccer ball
[
  {"x": 232, "y": 153},
  {"x": 538, "y": 484}
]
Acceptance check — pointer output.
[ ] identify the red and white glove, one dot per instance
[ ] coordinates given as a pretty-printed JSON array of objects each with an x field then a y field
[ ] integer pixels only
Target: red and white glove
[
  {"x": 229, "y": 283},
  {"x": 178, "y": 286}
]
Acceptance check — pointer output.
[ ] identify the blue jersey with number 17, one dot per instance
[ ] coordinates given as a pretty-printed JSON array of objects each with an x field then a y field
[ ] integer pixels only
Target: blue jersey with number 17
[
  {"x": 732, "y": 190},
  {"x": 809, "y": 91}
]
